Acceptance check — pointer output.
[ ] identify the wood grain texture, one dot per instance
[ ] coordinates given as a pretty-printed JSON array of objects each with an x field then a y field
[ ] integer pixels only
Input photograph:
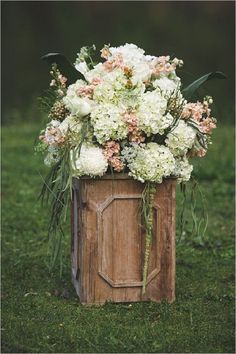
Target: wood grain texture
[{"x": 107, "y": 248}]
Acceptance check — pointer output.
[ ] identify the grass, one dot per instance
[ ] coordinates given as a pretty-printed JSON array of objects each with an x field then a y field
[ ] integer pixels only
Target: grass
[{"x": 41, "y": 312}]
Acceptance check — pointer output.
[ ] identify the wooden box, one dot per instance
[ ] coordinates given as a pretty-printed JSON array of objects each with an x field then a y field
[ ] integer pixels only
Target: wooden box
[{"x": 108, "y": 241}]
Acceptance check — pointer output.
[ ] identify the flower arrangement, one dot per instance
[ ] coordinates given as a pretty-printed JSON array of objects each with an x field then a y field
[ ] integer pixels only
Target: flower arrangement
[{"x": 127, "y": 113}]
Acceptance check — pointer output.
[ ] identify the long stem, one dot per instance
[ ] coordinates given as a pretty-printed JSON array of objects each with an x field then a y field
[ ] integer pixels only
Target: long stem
[{"x": 148, "y": 199}]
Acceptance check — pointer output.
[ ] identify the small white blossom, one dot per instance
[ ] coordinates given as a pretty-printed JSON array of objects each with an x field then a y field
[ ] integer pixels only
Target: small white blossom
[{"x": 82, "y": 67}]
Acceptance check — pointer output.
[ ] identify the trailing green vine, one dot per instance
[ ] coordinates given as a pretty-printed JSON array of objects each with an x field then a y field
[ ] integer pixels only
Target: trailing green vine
[
  {"x": 193, "y": 196},
  {"x": 56, "y": 190},
  {"x": 148, "y": 196}
]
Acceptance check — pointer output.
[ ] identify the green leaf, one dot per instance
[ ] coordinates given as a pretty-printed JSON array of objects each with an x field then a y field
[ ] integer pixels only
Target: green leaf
[
  {"x": 191, "y": 89},
  {"x": 64, "y": 66}
]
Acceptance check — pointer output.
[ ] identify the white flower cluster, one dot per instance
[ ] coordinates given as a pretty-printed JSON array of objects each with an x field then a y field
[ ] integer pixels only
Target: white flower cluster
[
  {"x": 183, "y": 169},
  {"x": 108, "y": 123},
  {"x": 180, "y": 139},
  {"x": 166, "y": 86},
  {"x": 134, "y": 58},
  {"x": 126, "y": 113},
  {"x": 151, "y": 162},
  {"x": 71, "y": 124},
  {"x": 90, "y": 162},
  {"x": 151, "y": 113},
  {"x": 77, "y": 105},
  {"x": 111, "y": 88},
  {"x": 52, "y": 157}
]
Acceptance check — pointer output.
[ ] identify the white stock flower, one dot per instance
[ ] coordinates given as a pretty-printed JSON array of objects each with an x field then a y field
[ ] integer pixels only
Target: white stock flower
[
  {"x": 82, "y": 67},
  {"x": 52, "y": 132},
  {"x": 91, "y": 161},
  {"x": 181, "y": 139}
]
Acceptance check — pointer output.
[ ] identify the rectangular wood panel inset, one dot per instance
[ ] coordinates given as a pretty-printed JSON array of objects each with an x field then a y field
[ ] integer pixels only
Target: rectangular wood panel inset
[{"x": 108, "y": 241}]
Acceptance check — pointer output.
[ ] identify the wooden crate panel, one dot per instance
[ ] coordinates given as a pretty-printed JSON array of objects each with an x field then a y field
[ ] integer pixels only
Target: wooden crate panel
[{"x": 108, "y": 238}]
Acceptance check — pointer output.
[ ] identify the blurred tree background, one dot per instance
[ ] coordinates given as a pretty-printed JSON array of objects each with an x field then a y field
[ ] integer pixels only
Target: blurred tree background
[{"x": 199, "y": 32}]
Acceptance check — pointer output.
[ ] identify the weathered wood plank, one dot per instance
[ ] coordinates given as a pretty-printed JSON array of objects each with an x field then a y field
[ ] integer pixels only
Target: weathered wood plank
[{"x": 108, "y": 241}]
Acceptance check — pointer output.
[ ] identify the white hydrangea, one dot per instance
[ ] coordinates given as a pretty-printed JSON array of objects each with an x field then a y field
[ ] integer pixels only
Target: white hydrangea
[
  {"x": 129, "y": 51},
  {"x": 108, "y": 123},
  {"x": 76, "y": 105},
  {"x": 141, "y": 72},
  {"x": 91, "y": 161},
  {"x": 131, "y": 98},
  {"x": 151, "y": 162},
  {"x": 183, "y": 169},
  {"x": 180, "y": 139},
  {"x": 112, "y": 88},
  {"x": 134, "y": 58},
  {"x": 151, "y": 113},
  {"x": 150, "y": 58}
]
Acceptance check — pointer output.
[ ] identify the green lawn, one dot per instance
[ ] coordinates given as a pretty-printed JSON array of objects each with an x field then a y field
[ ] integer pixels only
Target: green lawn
[{"x": 37, "y": 319}]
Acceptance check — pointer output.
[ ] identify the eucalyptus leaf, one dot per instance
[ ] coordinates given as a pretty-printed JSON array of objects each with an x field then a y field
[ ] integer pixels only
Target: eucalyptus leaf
[
  {"x": 64, "y": 66},
  {"x": 191, "y": 89}
]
